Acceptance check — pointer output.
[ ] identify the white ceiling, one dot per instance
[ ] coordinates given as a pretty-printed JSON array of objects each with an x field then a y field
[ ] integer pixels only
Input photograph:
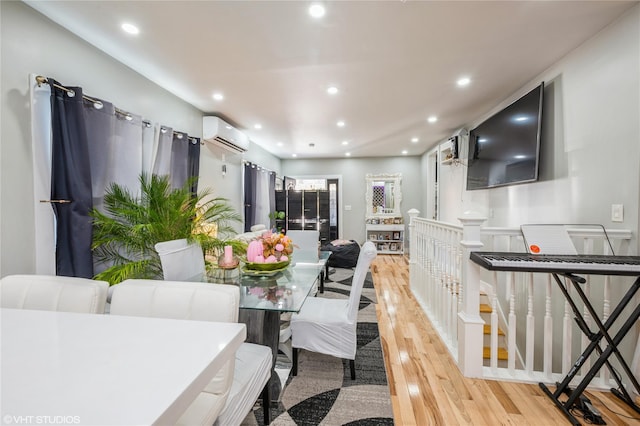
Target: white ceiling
[{"x": 395, "y": 62}]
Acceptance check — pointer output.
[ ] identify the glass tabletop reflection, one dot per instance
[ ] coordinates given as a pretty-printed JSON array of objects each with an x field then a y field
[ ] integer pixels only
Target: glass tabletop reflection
[{"x": 283, "y": 291}]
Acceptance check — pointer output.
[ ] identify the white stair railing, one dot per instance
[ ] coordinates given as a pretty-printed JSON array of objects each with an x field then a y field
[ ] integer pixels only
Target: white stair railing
[{"x": 447, "y": 286}]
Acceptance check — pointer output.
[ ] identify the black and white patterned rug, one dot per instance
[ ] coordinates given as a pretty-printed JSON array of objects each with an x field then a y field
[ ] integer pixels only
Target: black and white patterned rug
[{"x": 323, "y": 393}]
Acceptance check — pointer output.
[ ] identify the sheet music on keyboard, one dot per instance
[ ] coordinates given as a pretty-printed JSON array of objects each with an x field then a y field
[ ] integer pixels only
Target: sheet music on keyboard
[
  {"x": 547, "y": 239},
  {"x": 579, "y": 264}
]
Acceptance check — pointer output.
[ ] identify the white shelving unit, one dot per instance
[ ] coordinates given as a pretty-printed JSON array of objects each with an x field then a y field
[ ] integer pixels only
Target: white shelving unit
[
  {"x": 446, "y": 154},
  {"x": 389, "y": 239}
]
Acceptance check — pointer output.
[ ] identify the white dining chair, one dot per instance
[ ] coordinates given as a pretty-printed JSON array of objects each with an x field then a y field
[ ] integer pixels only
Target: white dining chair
[
  {"x": 305, "y": 252},
  {"x": 305, "y": 246},
  {"x": 230, "y": 396},
  {"x": 181, "y": 260},
  {"x": 53, "y": 293},
  {"x": 328, "y": 326}
]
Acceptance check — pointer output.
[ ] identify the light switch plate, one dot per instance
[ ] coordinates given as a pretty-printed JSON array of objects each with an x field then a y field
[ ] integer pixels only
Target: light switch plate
[
  {"x": 617, "y": 213},
  {"x": 347, "y": 207}
]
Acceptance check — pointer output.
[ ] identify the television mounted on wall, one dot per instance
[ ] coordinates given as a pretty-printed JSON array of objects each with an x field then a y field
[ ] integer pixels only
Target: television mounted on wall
[{"x": 505, "y": 148}]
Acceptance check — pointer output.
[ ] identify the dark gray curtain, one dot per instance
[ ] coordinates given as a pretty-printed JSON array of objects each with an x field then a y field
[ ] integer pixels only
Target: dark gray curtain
[
  {"x": 179, "y": 160},
  {"x": 71, "y": 180},
  {"x": 194, "y": 163},
  {"x": 272, "y": 192},
  {"x": 250, "y": 182}
]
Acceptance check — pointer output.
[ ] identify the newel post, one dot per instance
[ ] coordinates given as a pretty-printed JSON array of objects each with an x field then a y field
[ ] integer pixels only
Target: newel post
[
  {"x": 470, "y": 324},
  {"x": 413, "y": 213}
]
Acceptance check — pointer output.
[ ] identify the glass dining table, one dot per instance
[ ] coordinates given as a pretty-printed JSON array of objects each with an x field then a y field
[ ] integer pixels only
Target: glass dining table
[{"x": 264, "y": 296}]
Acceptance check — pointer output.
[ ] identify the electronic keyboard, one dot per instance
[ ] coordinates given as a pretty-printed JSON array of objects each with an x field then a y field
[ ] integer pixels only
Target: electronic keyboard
[{"x": 577, "y": 264}]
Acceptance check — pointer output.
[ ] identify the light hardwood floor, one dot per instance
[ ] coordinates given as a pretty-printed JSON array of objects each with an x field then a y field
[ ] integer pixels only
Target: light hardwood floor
[{"x": 428, "y": 389}]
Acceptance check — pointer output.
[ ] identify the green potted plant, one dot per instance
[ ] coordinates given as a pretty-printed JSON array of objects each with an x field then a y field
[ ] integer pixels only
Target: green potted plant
[
  {"x": 275, "y": 216},
  {"x": 125, "y": 235}
]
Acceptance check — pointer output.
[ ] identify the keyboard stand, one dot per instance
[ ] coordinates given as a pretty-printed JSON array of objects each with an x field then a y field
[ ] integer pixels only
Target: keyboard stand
[{"x": 603, "y": 355}]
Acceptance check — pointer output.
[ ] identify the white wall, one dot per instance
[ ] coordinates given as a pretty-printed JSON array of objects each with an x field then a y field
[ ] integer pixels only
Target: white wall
[
  {"x": 352, "y": 172},
  {"x": 590, "y": 149}
]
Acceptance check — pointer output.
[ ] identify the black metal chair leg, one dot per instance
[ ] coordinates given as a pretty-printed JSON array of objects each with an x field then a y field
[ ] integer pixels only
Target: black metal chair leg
[
  {"x": 266, "y": 404},
  {"x": 352, "y": 366},
  {"x": 294, "y": 362}
]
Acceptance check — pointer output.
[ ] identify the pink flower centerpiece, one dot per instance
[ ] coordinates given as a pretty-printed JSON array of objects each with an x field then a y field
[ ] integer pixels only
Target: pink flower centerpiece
[{"x": 269, "y": 251}]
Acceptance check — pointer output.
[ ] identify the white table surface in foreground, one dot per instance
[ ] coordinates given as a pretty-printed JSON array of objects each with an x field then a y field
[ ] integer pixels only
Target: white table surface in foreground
[{"x": 106, "y": 370}]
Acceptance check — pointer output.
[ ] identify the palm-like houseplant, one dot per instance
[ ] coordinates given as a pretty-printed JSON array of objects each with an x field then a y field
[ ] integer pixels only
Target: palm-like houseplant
[{"x": 124, "y": 236}]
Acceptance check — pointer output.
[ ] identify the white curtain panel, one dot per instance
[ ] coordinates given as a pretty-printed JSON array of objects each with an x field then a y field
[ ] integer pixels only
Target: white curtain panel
[
  {"x": 125, "y": 163},
  {"x": 262, "y": 199},
  {"x": 150, "y": 136},
  {"x": 162, "y": 163},
  {"x": 99, "y": 120},
  {"x": 44, "y": 219}
]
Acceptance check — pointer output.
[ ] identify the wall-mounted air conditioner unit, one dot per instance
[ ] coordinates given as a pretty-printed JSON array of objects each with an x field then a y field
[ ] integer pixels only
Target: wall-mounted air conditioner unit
[{"x": 215, "y": 130}]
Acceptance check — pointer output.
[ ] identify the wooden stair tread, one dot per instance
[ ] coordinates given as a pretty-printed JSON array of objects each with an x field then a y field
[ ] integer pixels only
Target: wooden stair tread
[
  {"x": 503, "y": 355},
  {"x": 487, "y": 330},
  {"x": 485, "y": 309}
]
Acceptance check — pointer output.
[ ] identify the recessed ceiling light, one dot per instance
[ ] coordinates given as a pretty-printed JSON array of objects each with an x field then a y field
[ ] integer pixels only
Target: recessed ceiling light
[
  {"x": 482, "y": 140},
  {"x": 332, "y": 90},
  {"x": 521, "y": 118},
  {"x": 280, "y": 144},
  {"x": 130, "y": 28},
  {"x": 405, "y": 152},
  {"x": 340, "y": 123},
  {"x": 432, "y": 119},
  {"x": 415, "y": 140},
  {"x": 347, "y": 154},
  {"x": 345, "y": 142},
  {"x": 464, "y": 81},
  {"x": 257, "y": 126},
  {"x": 519, "y": 157},
  {"x": 294, "y": 155},
  {"x": 317, "y": 10},
  {"x": 218, "y": 96}
]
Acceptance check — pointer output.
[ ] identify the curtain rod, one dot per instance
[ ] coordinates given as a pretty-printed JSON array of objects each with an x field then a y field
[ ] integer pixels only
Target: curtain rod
[
  {"x": 44, "y": 80},
  {"x": 258, "y": 166}
]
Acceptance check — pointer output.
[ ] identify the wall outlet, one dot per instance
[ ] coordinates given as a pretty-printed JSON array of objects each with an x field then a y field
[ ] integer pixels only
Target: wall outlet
[{"x": 617, "y": 213}]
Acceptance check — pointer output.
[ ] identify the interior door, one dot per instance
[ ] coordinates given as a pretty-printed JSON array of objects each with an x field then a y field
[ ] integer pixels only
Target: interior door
[{"x": 294, "y": 210}]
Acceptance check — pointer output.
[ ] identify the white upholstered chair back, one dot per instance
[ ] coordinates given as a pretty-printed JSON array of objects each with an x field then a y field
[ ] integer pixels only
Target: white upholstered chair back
[
  {"x": 189, "y": 301},
  {"x": 53, "y": 293},
  {"x": 181, "y": 260},
  {"x": 177, "y": 300},
  {"x": 367, "y": 254},
  {"x": 306, "y": 245}
]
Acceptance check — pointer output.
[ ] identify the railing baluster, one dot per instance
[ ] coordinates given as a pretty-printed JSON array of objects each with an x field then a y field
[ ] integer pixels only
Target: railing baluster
[
  {"x": 548, "y": 332},
  {"x": 511, "y": 337},
  {"x": 530, "y": 326},
  {"x": 494, "y": 332}
]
